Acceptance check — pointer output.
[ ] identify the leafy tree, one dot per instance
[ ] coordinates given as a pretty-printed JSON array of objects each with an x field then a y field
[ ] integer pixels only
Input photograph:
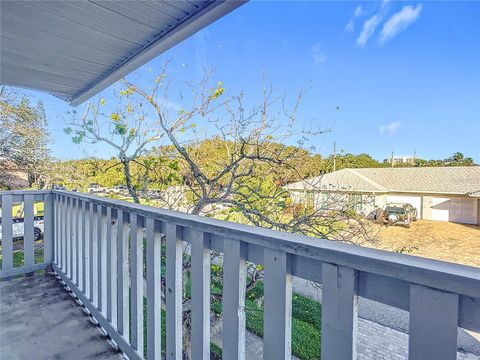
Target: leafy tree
[
  {"x": 227, "y": 160},
  {"x": 24, "y": 137},
  {"x": 128, "y": 130},
  {"x": 458, "y": 159},
  {"x": 237, "y": 170}
]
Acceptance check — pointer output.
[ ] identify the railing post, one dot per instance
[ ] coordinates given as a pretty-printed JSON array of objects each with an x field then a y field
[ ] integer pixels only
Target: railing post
[
  {"x": 234, "y": 283},
  {"x": 174, "y": 266},
  {"x": 277, "y": 309},
  {"x": 49, "y": 216},
  {"x": 200, "y": 274},
  {"x": 433, "y": 324},
  {"x": 339, "y": 312},
  {"x": 154, "y": 291},
  {"x": 28, "y": 230},
  {"x": 56, "y": 235}
]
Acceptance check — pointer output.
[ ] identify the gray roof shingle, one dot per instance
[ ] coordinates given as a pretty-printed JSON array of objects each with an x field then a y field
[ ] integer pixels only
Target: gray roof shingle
[{"x": 444, "y": 180}]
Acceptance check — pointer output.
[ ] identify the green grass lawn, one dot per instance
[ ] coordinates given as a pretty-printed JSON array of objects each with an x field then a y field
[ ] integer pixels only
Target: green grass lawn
[
  {"x": 18, "y": 257},
  {"x": 306, "y": 321}
]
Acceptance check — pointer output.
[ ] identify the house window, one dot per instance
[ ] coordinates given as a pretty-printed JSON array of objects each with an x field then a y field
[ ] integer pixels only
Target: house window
[
  {"x": 324, "y": 203},
  {"x": 309, "y": 199},
  {"x": 355, "y": 202}
]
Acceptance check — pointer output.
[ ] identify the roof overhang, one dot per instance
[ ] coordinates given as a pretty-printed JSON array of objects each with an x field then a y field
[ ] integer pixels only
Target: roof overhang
[{"x": 75, "y": 49}]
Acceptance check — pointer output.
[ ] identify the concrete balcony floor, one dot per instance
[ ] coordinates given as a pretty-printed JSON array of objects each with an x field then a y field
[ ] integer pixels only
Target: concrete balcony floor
[{"x": 40, "y": 320}]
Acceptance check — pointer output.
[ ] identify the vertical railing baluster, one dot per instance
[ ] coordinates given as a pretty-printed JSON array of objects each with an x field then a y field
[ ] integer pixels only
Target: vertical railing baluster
[
  {"x": 92, "y": 249},
  {"x": 101, "y": 260},
  {"x": 111, "y": 257},
  {"x": 86, "y": 248},
  {"x": 49, "y": 215},
  {"x": 81, "y": 248},
  {"x": 154, "y": 291},
  {"x": 64, "y": 234},
  {"x": 234, "y": 283},
  {"x": 108, "y": 265},
  {"x": 200, "y": 275},
  {"x": 28, "y": 230},
  {"x": 74, "y": 248},
  {"x": 61, "y": 223},
  {"x": 85, "y": 233},
  {"x": 77, "y": 254},
  {"x": 56, "y": 234},
  {"x": 58, "y": 237},
  {"x": 339, "y": 312},
  {"x": 277, "y": 307},
  {"x": 7, "y": 233},
  {"x": 113, "y": 269},
  {"x": 174, "y": 295},
  {"x": 123, "y": 278},
  {"x": 136, "y": 238},
  {"x": 433, "y": 324},
  {"x": 69, "y": 237}
]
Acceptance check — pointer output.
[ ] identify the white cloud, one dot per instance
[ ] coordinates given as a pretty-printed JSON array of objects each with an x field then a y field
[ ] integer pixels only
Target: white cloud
[
  {"x": 318, "y": 56},
  {"x": 358, "y": 11},
  {"x": 399, "y": 22},
  {"x": 369, "y": 27},
  {"x": 390, "y": 128},
  {"x": 350, "y": 27},
  {"x": 384, "y": 4},
  {"x": 169, "y": 105}
]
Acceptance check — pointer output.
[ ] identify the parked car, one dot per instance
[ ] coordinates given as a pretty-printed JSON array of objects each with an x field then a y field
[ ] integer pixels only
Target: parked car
[
  {"x": 19, "y": 228},
  {"x": 58, "y": 187},
  {"x": 95, "y": 188},
  {"x": 119, "y": 189},
  {"x": 399, "y": 213}
]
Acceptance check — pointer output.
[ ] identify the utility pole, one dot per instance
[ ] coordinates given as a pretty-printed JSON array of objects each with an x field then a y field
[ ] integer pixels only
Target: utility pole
[
  {"x": 391, "y": 159},
  {"x": 334, "y": 157}
]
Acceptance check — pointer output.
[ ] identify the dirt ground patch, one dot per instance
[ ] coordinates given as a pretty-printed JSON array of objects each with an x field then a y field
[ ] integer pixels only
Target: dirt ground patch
[{"x": 457, "y": 243}]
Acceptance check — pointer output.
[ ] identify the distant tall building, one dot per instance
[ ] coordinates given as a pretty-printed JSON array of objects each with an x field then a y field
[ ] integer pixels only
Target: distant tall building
[{"x": 396, "y": 160}]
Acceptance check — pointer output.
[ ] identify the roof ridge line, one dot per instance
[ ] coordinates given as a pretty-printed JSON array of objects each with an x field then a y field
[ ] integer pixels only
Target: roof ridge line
[{"x": 368, "y": 180}]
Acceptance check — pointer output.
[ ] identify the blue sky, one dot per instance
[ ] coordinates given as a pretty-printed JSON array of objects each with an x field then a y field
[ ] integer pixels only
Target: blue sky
[{"x": 405, "y": 75}]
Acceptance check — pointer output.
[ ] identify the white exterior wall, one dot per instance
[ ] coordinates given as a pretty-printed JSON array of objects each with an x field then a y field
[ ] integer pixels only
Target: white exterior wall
[
  {"x": 429, "y": 207},
  {"x": 454, "y": 209}
]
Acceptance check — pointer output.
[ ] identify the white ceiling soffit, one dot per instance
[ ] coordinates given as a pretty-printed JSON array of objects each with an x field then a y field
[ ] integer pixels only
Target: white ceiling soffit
[{"x": 75, "y": 49}]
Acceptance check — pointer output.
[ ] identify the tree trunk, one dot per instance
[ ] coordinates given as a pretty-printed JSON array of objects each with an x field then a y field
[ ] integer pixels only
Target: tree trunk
[{"x": 128, "y": 179}]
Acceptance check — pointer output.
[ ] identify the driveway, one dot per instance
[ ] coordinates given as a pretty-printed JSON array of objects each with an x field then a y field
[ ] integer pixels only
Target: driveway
[{"x": 458, "y": 243}]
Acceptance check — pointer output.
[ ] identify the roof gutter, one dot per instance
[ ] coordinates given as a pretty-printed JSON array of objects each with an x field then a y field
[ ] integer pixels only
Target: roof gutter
[{"x": 206, "y": 16}]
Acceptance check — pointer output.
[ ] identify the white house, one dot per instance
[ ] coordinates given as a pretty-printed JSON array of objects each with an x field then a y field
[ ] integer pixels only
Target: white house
[{"x": 438, "y": 193}]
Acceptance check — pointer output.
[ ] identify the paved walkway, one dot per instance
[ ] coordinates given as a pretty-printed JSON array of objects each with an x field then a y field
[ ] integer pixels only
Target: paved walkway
[
  {"x": 374, "y": 342},
  {"x": 40, "y": 320},
  {"x": 383, "y": 330}
]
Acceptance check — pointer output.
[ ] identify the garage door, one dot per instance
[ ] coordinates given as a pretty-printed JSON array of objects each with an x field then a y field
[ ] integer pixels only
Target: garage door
[
  {"x": 415, "y": 201},
  {"x": 454, "y": 209}
]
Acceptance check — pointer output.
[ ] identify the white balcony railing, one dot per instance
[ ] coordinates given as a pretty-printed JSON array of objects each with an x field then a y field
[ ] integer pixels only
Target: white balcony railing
[{"x": 97, "y": 246}]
